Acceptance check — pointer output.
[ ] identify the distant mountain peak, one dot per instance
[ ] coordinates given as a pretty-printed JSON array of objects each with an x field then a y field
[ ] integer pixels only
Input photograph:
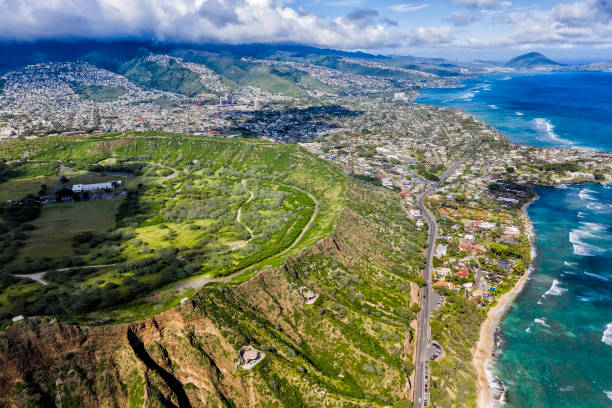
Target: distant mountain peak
[{"x": 531, "y": 60}]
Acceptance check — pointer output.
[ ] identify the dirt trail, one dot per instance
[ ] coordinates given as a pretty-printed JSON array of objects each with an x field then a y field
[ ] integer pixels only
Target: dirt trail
[
  {"x": 240, "y": 244},
  {"x": 201, "y": 281}
]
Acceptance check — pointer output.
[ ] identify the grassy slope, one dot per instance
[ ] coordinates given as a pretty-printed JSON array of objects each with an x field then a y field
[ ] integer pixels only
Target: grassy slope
[
  {"x": 58, "y": 223},
  {"x": 172, "y": 77},
  {"x": 285, "y": 80}
]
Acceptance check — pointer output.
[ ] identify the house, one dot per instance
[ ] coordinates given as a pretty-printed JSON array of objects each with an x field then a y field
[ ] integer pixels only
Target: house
[
  {"x": 440, "y": 251},
  {"x": 78, "y": 188},
  {"x": 449, "y": 285},
  {"x": 443, "y": 272},
  {"x": 463, "y": 273},
  {"x": 512, "y": 230}
]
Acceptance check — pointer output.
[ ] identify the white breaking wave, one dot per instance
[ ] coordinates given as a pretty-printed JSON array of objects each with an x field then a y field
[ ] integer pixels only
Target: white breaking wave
[
  {"x": 555, "y": 289},
  {"x": 541, "y": 322},
  {"x": 596, "y": 276},
  {"x": 608, "y": 394},
  {"x": 566, "y": 263},
  {"x": 599, "y": 206},
  {"x": 493, "y": 107},
  {"x": 586, "y": 194},
  {"x": 519, "y": 113},
  {"x": 581, "y": 214},
  {"x": 578, "y": 237},
  {"x": 548, "y": 129},
  {"x": 607, "y": 335},
  {"x": 467, "y": 96}
]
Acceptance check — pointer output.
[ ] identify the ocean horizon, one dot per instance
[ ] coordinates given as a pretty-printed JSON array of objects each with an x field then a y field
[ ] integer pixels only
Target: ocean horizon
[{"x": 556, "y": 343}]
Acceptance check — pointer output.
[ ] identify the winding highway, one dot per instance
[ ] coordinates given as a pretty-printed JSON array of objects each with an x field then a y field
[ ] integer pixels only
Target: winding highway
[{"x": 421, "y": 397}]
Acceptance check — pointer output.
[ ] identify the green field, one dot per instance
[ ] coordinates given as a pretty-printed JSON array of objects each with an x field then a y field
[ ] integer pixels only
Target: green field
[
  {"x": 16, "y": 189},
  {"x": 58, "y": 223}
]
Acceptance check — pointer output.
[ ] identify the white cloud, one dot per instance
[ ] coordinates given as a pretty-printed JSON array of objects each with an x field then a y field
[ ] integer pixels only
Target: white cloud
[
  {"x": 226, "y": 21},
  {"x": 405, "y": 7},
  {"x": 577, "y": 23},
  {"x": 565, "y": 25}
]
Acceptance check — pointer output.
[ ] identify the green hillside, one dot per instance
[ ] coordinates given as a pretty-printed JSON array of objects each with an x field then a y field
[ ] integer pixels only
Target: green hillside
[
  {"x": 172, "y": 77},
  {"x": 279, "y": 79}
]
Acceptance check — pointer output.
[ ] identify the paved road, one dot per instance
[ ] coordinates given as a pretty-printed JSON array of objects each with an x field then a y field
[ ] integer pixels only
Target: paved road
[{"x": 424, "y": 335}]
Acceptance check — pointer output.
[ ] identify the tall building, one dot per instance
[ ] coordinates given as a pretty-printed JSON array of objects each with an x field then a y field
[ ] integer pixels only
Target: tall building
[{"x": 225, "y": 100}]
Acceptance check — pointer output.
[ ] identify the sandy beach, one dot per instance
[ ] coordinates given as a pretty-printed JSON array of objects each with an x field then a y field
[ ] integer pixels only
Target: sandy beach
[{"x": 486, "y": 345}]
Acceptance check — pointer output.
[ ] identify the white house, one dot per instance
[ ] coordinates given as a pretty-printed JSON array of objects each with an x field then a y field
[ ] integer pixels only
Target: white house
[
  {"x": 78, "y": 188},
  {"x": 440, "y": 251}
]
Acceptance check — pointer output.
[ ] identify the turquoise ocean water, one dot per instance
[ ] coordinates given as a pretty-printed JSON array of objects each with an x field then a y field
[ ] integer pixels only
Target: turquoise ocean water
[{"x": 556, "y": 348}]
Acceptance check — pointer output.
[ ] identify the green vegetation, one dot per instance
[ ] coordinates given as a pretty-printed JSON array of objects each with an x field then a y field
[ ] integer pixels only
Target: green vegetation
[
  {"x": 455, "y": 327},
  {"x": 173, "y": 226},
  {"x": 357, "y": 250},
  {"x": 172, "y": 77},
  {"x": 57, "y": 224},
  {"x": 237, "y": 72},
  {"x": 101, "y": 93}
]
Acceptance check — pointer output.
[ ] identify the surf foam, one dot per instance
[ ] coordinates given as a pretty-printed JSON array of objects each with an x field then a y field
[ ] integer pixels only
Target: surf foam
[
  {"x": 548, "y": 129},
  {"x": 578, "y": 237},
  {"x": 586, "y": 194},
  {"x": 607, "y": 335},
  {"x": 555, "y": 289},
  {"x": 596, "y": 276}
]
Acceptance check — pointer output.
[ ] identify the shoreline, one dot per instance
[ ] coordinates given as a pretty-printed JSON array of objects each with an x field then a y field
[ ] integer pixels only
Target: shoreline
[{"x": 485, "y": 347}]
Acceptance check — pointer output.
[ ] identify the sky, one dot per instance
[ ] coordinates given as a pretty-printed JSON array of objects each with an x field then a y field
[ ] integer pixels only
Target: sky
[{"x": 570, "y": 31}]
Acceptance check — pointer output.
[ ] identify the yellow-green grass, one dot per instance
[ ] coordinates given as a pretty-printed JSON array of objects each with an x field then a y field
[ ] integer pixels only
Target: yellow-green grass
[
  {"x": 58, "y": 223},
  {"x": 20, "y": 290},
  {"x": 153, "y": 236},
  {"x": 18, "y": 188}
]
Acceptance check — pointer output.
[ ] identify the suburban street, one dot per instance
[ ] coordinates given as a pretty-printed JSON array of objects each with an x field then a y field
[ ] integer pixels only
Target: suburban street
[{"x": 423, "y": 336}]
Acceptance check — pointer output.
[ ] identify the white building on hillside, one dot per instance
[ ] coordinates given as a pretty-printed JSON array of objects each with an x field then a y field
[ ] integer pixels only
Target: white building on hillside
[{"x": 109, "y": 185}]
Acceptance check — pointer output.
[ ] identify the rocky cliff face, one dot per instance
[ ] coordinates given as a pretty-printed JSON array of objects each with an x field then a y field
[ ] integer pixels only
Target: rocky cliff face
[{"x": 348, "y": 348}]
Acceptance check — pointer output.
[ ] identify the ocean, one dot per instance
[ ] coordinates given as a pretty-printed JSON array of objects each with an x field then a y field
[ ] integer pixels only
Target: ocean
[
  {"x": 546, "y": 109},
  {"x": 556, "y": 348}
]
